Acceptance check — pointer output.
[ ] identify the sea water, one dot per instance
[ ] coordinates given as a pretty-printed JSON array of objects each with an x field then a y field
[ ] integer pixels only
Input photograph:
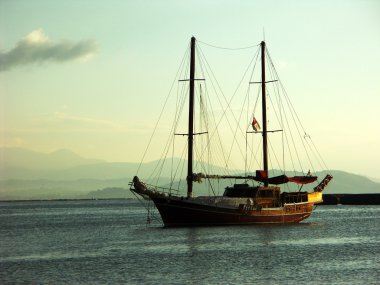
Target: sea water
[{"x": 109, "y": 241}]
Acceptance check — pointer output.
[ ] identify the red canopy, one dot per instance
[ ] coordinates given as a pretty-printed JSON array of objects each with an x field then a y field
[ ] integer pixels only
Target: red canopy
[{"x": 281, "y": 179}]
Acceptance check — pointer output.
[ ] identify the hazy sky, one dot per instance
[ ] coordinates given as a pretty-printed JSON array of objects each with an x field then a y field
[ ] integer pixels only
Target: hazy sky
[{"x": 91, "y": 76}]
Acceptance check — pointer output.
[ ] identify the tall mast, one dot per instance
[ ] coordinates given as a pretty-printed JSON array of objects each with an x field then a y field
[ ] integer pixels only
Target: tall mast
[
  {"x": 264, "y": 111},
  {"x": 191, "y": 122}
]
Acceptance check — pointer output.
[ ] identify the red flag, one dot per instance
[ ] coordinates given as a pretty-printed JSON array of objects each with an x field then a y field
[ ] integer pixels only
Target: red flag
[{"x": 255, "y": 125}]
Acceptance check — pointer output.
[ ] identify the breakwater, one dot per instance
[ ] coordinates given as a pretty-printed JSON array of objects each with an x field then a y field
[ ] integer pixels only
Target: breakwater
[{"x": 351, "y": 199}]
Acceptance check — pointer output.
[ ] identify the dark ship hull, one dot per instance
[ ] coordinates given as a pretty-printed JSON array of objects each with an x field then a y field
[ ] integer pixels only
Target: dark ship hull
[
  {"x": 261, "y": 205},
  {"x": 176, "y": 212}
]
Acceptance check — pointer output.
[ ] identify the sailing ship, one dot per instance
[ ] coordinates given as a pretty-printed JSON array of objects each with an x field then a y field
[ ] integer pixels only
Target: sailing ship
[{"x": 257, "y": 199}]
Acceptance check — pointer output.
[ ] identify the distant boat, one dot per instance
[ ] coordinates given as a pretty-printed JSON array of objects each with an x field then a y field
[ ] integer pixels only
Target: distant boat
[{"x": 255, "y": 201}]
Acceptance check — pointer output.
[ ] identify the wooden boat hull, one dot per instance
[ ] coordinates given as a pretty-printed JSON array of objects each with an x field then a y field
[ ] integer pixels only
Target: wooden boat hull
[{"x": 176, "y": 212}]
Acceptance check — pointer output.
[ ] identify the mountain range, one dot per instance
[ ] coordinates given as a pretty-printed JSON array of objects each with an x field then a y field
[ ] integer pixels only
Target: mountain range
[{"x": 26, "y": 174}]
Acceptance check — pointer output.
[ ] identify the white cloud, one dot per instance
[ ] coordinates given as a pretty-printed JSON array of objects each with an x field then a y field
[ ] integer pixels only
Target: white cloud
[
  {"x": 85, "y": 121},
  {"x": 36, "y": 48},
  {"x": 36, "y": 37},
  {"x": 66, "y": 117}
]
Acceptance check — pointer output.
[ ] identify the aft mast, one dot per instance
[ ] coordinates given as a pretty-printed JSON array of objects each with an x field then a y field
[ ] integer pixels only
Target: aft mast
[
  {"x": 191, "y": 122},
  {"x": 264, "y": 111}
]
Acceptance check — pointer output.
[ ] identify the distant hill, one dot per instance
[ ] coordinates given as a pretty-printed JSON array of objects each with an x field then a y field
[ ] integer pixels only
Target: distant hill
[
  {"x": 19, "y": 163},
  {"x": 62, "y": 174},
  {"x": 109, "y": 193},
  {"x": 345, "y": 182},
  {"x": 57, "y": 189},
  {"x": 377, "y": 180}
]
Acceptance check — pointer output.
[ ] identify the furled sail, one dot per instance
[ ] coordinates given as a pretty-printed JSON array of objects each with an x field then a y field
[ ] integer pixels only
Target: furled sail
[
  {"x": 281, "y": 179},
  {"x": 260, "y": 177}
]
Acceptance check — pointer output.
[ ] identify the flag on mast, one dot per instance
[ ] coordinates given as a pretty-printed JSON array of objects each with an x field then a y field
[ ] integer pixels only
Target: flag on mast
[{"x": 255, "y": 125}]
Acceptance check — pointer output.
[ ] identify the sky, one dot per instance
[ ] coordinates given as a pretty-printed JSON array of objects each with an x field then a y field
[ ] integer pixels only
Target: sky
[{"x": 91, "y": 76}]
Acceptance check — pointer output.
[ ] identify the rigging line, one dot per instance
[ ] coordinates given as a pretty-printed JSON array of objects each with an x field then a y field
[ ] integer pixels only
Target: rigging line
[
  {"x": 183, "y": 166},
  {"x": 237, "y": 88},
  {"x": 292, "y": 139},
  {"x": 201, "y": 117},
  {"x": 147, "y": 208},
  {"x": 162, "y": 111},
  {"x": 291, "y": 107},
  {"x": 236, "y": 129},
  {"x": 249, "y": 88},
  {"x": 248, "y": 91},
  {"x": 257, "y": 98},
  {"x": 213, "y": 117},
  {"x": 246, "y": 136},
  {"x": 260, "y": 141},
  {"x": 290, "y": 152},
  {"x": 224, "y": 97},
  {"x": 200, "y": 151},
  {"x": 167, "y": 147},
  {"x": 273, "y": 106},
  {"x": 160, "y": 164},
  {"x": 278, "y": 116},
  {"x": 314, "y": 154},
  {"x": 252, "y": 143},
  {"x": 207, "y": 99},
  {"x": 292, "y": 113},
  {"x": 210, "y": 186},
  {"x": 255, "y": 155},
  {"x": 181, "y": 99},
  {"x": 280, "y": 121},
  {"x": 178, "y": 106},
  {"x": 278, "y": 99},
  {"x": 205, "y": 119},
  {"x": 248, "y": 122},
  {"x": 227, "y": 48},
  {"x": 177, "y": 115},
  {"x": 283, "y": 114},
  {"x": 279, "y": 102},
  {"x": 204, "y": 116},
  {"x": 275, "y": 156},
  {"x": 246, "y": 154},
  {"x": 206, "y": 122},
  {"x": 293, "y": 143},
  {"x": 285, "y": 93},
  {"x": 178, "y": 165},
  {"x": 172, "y": 161},
  {"x": 325, "y": 165}
]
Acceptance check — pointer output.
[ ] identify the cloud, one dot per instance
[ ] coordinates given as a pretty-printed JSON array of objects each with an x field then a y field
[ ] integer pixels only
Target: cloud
[
  {"x": 88, "y": 122},
  {"x": 37, "y": 48},
  {"x": 64, "y": 122}
]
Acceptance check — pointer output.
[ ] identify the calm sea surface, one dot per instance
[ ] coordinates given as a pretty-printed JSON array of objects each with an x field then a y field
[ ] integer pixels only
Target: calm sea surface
[{"x": 76, "y": 242}]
